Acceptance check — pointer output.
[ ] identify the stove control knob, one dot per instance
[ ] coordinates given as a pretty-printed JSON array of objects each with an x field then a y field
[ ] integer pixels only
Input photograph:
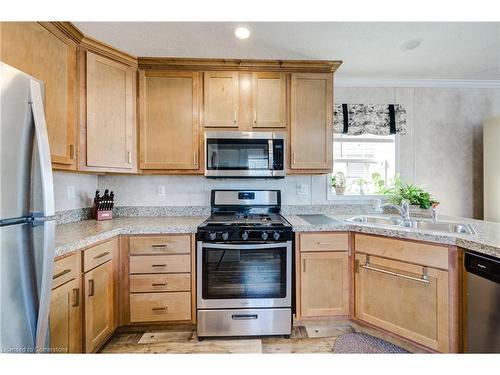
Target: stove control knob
[
  {"x": 264, "y": 236},
  {"x": 276, "y": 236},
  {"x": 244, "y": 236},
  {"x": 225, "y": 236},
  {"x": 212, "y": 236}
]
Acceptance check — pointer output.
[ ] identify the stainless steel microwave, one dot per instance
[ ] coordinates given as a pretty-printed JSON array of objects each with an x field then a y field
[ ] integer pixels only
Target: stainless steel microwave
[{"x": 244, "y": 154}]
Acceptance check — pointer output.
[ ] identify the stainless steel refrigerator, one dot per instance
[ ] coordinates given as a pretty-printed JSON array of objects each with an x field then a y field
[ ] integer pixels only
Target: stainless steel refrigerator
[{"x": 27, "y": 214}]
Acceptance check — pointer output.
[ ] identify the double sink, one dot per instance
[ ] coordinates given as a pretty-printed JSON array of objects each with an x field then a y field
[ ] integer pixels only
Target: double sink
[{"x": 440, "y": 226}]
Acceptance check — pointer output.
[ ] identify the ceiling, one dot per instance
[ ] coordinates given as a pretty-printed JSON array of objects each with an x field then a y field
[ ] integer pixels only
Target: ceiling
[{"x": 457, "y": 51}]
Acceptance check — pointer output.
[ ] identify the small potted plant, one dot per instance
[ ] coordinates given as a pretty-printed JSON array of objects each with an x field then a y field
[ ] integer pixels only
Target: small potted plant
[
  {"x": 421, "y": 201},
  {"x": 338, "y": 183},
  {"x": 361, "y": 183}
]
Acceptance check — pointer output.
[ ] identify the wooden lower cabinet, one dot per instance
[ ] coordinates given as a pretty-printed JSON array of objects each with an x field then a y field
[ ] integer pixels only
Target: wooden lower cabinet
[
  {"x": 401, "y": 302},
  {"x": 324, "y": 284},
  {"x": 322, "y": 274},
  {"x": 66, "y": 319},
  {"x": 99, "y": 305}
]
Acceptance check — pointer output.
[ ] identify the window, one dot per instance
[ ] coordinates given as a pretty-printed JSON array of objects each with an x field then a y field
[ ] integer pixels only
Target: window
[{"x": 363, "y": 157}]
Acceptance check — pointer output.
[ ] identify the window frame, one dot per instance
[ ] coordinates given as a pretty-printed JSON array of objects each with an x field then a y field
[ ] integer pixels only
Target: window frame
[{"x": 356, "y": 198}]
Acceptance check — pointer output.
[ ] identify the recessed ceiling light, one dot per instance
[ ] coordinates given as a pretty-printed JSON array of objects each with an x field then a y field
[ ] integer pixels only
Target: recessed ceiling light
[
  {"x": 242, "y": 32},
  {"x": 411, "y": 44}
]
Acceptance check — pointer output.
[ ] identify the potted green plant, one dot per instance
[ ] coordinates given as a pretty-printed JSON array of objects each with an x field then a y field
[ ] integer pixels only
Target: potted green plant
[
  {"x": 361, "y": 182},
  {"x": 416, "y": 195},
  {"x": 338, "y": 182}
]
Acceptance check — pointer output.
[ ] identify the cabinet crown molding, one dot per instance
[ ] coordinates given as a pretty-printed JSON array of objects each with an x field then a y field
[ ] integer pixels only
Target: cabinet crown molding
[{"x": 294, "y": 66}]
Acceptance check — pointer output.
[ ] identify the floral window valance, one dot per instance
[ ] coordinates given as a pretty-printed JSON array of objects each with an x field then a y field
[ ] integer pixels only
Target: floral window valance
[{"x": 377, "y": 119}]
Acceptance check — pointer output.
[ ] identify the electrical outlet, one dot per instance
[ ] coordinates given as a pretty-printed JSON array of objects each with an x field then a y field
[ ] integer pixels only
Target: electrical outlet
[
  {"x": 71, "y": 192},
  {"x": 161, "y": 190},
  {"x": 302, "y": 189}
]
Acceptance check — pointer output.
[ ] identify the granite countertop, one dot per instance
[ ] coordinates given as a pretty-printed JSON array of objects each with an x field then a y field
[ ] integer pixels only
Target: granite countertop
[
  {"x": 485, "y": 241},
  {"x": 74, "y": 236}
]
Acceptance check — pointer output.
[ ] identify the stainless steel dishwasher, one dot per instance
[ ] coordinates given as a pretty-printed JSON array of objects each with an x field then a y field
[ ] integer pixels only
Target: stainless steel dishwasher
[{"x": 483, "y": 303}]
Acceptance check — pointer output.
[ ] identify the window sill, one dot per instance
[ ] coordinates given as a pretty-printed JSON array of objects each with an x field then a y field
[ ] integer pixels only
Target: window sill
[{"x": 355, "y": 198}]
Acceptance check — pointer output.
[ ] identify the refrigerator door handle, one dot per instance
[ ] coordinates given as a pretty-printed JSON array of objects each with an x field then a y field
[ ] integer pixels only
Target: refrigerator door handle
[
  {"x": 42, "y": 141},
  {"x": 42, "y": 327}
]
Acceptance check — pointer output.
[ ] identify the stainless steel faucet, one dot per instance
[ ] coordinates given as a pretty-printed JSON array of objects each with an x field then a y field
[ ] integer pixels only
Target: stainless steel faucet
[
  {"x": 434, "y": 214},
  {"x": 404, "y": 209}
]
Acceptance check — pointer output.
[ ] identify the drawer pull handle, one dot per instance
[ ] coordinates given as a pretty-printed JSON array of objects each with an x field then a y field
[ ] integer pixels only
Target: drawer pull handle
[
  {"x": 159, "y": 308},
  {"x": 244, "y": 317},
  {"x": 91, "y": 288},
  {"x": 76, "y": 297},
  {"x": 158, "y": 284},
  {"x": 158, "y": 265},
  {"x": 324, "y": 244},
  {"x": 101, "y": 255},
  {"x": 303, "y": 265},
  {"x": 61, "y": 274},
  {"x": 424, "y": 279},
  {"x": 158, "y": 246}
]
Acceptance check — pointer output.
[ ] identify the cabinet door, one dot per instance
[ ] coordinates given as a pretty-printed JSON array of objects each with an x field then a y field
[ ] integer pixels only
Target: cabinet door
[
  {"x": 45, "y": 53},
  {"x": 65, "y": 319},
  {"x": 269, "y": 100},
  {"x": 169, "y": 122},
  {"x": 409, "y": 307},
  {"x": 221, "y": 99},
  {"x": 324, "y": 289},
  {"x": 99, "y": 305},
  {"x": 311, "y": 130},
  {"x": 110, "y": 113}
]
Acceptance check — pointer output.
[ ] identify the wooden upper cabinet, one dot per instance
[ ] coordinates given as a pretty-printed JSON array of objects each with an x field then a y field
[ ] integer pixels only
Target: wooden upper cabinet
[
  {"x": 110, "y": 118},
  {"x": 269, "y": 100},
  {"x": 311, "y": 130},
  {"x": 169, "y": 120},
  {"x": 221, "y": 99},
  {"x": 44, "y": 52}
]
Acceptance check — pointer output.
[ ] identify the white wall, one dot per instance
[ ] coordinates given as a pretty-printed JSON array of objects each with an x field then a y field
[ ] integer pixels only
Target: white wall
[
  {"x": 442, "y": 151},
  {"x": 84, "y": 186}
]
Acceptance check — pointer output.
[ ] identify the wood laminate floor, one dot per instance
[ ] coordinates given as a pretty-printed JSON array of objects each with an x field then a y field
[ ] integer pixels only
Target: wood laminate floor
[{"x": 307, "y": 337}]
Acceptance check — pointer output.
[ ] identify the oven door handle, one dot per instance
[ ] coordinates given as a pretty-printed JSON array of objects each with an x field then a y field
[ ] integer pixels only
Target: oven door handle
[{"x": 244, "y": 247}]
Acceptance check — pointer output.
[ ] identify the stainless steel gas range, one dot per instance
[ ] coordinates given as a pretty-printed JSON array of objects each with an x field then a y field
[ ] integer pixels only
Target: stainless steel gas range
[{"x": 244, "y": 266}]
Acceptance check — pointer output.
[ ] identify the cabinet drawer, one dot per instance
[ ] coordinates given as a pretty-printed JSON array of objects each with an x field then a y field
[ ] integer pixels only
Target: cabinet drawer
[
  {"x": 153, "y": 307},
  {"x": 407, "y": 251},
  {"x": 160, "y": 283},
  {"x": 324, "y": 241},
  {"x": 160, "y": 264},
  {"x": 160, "y": 245},
  {"x": 65, "y": 269},
  {"x": 98, "y": 254}
]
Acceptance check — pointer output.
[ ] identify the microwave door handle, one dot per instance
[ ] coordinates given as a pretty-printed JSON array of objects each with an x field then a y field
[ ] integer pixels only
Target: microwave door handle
[{"x": 271, "y": 156}]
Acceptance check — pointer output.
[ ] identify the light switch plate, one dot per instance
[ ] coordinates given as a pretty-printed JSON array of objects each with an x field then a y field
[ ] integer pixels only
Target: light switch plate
[
  {"x": 302, "y": 189},
  {"x": 161, "y": 190},
  {"x": 71, "y": 192}
]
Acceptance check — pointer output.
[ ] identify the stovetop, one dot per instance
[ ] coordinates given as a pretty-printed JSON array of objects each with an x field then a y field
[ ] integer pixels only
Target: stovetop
[
  {"x": 245, "y": 219},
  {"x": 245, "y": 216}
]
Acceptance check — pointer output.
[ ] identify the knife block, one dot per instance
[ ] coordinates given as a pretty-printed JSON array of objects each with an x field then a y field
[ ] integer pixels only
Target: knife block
[{"x": 102, "y": 214}]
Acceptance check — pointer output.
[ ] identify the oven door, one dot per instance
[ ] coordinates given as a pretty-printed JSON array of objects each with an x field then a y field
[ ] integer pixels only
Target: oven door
[
  {"x": 240, "y": 155},
  {"x": 244, "y": 275}
]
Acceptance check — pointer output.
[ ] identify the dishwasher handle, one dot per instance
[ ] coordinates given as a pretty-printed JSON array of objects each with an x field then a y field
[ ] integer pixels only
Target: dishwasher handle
[{"x": 483, "y": 266}]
